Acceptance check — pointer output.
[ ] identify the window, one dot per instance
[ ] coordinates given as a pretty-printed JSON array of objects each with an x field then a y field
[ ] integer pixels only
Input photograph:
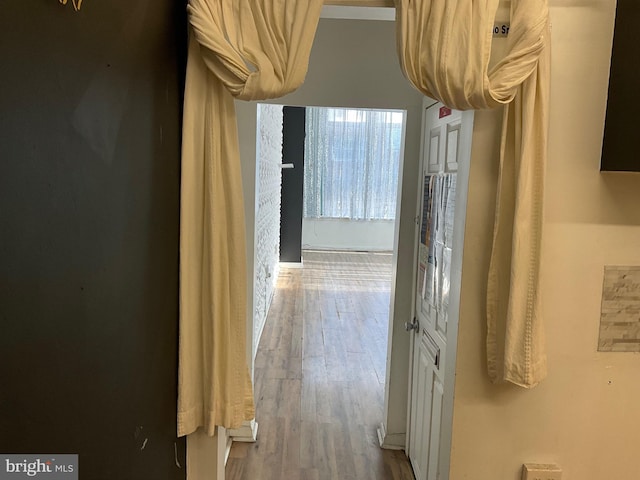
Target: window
[{"x": 352, "y": 159}]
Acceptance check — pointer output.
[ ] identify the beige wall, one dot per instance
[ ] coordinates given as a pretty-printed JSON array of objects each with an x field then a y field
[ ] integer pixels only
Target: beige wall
[{"x": 585, "y": 415}]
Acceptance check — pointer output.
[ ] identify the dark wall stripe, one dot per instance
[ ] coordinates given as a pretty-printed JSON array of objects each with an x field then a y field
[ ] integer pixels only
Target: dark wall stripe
[
  {"x": 90, "y": 108},
  {"x": 622, "y": 122},
  {"x": 292, "y": 184}
]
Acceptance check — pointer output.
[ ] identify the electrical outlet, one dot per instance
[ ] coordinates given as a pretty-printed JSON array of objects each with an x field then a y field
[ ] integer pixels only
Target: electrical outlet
[{"x": 538, "y": 471}]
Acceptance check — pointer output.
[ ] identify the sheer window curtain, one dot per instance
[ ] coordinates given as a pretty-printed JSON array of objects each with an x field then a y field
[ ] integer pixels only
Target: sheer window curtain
[{"x": 352, "y": 159}]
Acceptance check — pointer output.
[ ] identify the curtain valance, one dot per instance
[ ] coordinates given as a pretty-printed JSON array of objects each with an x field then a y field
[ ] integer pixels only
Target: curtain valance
[
  {"x": 258, "y": 49},
  {"x": 444, "y": 49}
]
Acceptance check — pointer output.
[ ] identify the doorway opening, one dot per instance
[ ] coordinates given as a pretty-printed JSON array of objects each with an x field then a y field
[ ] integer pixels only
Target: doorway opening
[
  {"x": 321, "y": 316},
  {"x": 345, "y": 71},
  {"x": 326, "y": 179}
]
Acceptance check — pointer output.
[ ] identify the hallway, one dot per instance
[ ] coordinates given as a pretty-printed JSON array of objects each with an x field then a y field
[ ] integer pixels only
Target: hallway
[{"x": 320, "y": 372}]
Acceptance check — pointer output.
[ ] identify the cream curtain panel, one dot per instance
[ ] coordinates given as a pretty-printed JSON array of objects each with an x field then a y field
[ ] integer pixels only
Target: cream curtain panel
[
  {"x": 77, "y": 4},
  {"x": 444, "y": 49},
  {"x": 250, "y": 50}
]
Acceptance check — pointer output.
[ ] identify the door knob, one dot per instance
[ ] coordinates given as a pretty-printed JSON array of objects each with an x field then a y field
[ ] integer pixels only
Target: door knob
[{"x": 414, "y": 325}]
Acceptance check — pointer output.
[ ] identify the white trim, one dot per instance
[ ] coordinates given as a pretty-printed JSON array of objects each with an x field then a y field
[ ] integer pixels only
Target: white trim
[
  {"x": 462, "y": 190},
  {"x": 227, "y": 450},
  {"x": 450, "y": 352},
  {"x": 204, "y": 454},
  {"x": 292, "y": 264},
  {"x": 393, "y": 441},
  {"x": 358, "y": 13},
  {"x": 247, "y": 433}
]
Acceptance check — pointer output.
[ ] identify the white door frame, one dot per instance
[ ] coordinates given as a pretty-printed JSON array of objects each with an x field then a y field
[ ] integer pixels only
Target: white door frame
[{"x": 462, "y": 189}]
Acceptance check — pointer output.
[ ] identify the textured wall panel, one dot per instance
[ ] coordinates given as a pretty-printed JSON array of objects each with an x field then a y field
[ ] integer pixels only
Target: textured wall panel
[
  {"x": 620, "y": 318},
  {"x": 267, "y": 233}
]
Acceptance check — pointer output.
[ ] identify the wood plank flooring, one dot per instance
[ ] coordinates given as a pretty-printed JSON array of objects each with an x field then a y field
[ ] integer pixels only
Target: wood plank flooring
[{"x": 320, "y": 372}]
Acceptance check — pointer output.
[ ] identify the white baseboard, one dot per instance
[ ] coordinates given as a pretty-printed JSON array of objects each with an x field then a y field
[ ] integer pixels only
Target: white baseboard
[
  {"x": 248, "y": 432},
  {"x": 228, "y": 449},
  {"x": 391, "y": 441},
  {"x": 291, "y": 264}
]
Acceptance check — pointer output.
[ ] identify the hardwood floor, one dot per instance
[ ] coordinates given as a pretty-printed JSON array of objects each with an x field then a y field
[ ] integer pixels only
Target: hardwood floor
[{"x": 320, "y": 372}]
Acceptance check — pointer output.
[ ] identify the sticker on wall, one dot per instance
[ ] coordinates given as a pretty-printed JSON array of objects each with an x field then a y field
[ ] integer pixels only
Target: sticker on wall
[
  {"x": 620, "y": 313},
  {"x": 76, "y": 4},
  {"x": 501, "y": 29},
  {"x": 444, "y": 112}
]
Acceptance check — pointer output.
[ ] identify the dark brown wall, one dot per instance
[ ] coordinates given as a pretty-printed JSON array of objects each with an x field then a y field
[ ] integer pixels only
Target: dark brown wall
[
  {"x": 292, "y": 193},
  {"x": 622, "y": 124},
  {"x": 89, "y": 203}
]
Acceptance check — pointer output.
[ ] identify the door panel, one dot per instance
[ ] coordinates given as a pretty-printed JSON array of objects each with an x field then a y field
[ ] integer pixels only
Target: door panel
[
  {"x": 435, "y": 159},
  {"x": 435, "y": 424},
  {"x": 444, "y": 134},
  {"x": 453, "y": 138},
  {"x": 422, "y": 399}
]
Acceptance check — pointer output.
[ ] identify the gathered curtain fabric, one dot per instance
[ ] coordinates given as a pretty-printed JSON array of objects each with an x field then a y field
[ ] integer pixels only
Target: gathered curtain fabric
[
  {"x": 445, "y": 49},
  {"x": 249, "y": 50}
]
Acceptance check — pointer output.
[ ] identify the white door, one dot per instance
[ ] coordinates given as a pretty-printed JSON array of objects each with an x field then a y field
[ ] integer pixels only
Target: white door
[{"x": 446, "y": 147}]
